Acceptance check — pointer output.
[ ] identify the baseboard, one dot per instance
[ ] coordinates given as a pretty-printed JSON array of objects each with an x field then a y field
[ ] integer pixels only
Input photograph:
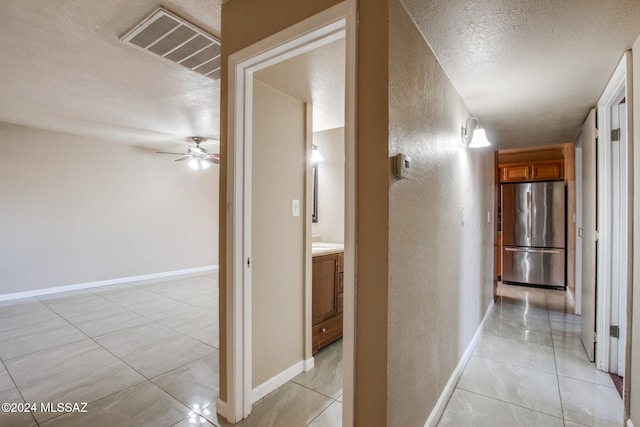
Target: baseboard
[
  {"x": 121, "y": 280},
  {"x": 223, "y": 409},
  {"x": 309, "y": 364},
  {"x": 449, "y": 388},
  {"x": 277, "y": 381},
  {"x": 629, "y": 423}
]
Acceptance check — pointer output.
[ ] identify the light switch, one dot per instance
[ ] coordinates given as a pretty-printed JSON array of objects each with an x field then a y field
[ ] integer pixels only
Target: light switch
[
  {"x": 488, "y": 216},
  {"x": 295, "y": 207},
  {"x": 462, "y": 214}
]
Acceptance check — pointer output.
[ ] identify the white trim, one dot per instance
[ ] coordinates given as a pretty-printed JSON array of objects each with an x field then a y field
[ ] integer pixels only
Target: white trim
[
  {"x": 450, "y": 387},
  {"x": 277, "y": 381},
  {"x": 120, "y": 280},
  {"x": 333, "y": 23},
  {"x": 616, "y": 86},
  {"x": 309, "y": 364},
  {"x": 222, "y": 409}
]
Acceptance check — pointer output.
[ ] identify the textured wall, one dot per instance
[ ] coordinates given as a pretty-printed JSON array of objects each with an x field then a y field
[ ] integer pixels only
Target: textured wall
[
  {"x": 440, "y": 269},
  {"x": 76, "y": 210},
  {"x": 277, "y": 237},
  {"x": 330, "y": 224}
]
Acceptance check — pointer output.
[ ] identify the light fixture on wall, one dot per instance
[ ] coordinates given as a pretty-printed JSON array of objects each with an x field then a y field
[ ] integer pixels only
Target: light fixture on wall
[
  {"x": 478, "y": 138},
  {"x": 315, "y": 155}
]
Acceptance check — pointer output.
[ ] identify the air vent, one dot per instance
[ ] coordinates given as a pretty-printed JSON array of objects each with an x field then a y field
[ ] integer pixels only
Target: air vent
[{"x": 173, "y": 38}]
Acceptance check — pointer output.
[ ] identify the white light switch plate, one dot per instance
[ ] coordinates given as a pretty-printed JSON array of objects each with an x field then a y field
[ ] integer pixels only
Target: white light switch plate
[{"x": 295, "y": 207}]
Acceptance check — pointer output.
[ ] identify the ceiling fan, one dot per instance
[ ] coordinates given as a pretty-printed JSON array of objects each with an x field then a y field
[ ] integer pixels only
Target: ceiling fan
[{"x": 198, "y": 157}]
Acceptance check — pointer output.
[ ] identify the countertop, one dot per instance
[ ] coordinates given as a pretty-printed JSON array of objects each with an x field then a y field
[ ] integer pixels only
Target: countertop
[{"x": 326, "y": 248}]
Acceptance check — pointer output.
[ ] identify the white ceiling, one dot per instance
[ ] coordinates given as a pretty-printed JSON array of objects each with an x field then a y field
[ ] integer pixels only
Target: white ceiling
[
  {"x": 529, "y": 69},
  {"x": 316, "y": 77},
  {"x": 64, "y": 69}
]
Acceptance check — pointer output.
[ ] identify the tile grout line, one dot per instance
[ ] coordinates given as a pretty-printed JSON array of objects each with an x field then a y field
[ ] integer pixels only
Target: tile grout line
[
  {"x": 555, "y": 362},
  {"x": 6, "y": 368}
]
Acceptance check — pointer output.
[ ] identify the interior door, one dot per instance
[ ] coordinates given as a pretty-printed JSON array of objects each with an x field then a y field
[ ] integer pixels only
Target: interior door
[{"x": 589, "y": 203}]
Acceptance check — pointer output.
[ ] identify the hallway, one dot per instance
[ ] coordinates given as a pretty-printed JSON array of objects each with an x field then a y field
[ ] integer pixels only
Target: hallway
[{"x": 529, "y": 368}]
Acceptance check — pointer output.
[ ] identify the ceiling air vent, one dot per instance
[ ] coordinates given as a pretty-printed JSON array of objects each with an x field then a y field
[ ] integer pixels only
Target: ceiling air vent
[{"x": 173, "y": 38}]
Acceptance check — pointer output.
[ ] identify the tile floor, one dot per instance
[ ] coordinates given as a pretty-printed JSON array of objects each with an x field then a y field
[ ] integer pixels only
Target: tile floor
[
  {"x": 139, "y": 355},
  {"x": 530, "y": 369},
  {"x": 147, "y": 355}
]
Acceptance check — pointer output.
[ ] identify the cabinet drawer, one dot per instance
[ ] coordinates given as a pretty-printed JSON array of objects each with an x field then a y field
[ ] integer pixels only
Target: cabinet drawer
[{"x": 326, "y": 332}]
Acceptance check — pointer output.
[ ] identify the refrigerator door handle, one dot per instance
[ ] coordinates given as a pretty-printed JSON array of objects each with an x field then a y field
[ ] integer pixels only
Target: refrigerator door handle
[
  {"x": 529, "y": 217},
  {"x": 541, "y": 251}
]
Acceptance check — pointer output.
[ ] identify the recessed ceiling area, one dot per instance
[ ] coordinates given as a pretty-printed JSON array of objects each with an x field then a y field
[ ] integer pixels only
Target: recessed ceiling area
[
  {"x": 66, "y": 70},
  {"x": 530, "y": 70}
]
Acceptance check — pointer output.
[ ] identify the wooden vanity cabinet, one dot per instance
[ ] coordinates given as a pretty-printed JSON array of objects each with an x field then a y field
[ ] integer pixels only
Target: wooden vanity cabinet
[{"x": 326, "y": 300}]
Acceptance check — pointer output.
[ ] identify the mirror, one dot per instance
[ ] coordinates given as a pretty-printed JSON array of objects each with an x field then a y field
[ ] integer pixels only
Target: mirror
[{"x": 314, "y": 208}]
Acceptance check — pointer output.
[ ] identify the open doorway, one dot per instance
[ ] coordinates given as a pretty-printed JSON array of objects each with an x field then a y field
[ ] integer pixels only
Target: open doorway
[{"x": 245, "y": 384}]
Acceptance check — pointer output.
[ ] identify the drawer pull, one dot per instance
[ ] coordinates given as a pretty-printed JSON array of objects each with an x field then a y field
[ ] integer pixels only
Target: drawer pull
[{"x": 323, "y": 330}]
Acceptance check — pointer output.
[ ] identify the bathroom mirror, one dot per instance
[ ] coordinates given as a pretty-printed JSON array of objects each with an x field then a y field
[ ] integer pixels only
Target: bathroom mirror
[{"x": 314, "y": 208}]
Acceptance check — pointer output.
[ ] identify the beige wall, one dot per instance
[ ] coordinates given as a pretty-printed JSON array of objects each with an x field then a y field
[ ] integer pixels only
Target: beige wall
[
  {"x": 330, "y": 225},
  {"x": 440, "y": 269},
  {"x": 632, "y": 379},
  {"x": 76, "y": 210},
  {"x": 277, "y": 236}
]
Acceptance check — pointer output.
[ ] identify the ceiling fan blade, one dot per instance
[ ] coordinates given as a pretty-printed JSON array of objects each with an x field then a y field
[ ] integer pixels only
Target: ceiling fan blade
[
  {"x": 166, "y": 152},
  {"x": 182, "y": 158},
  {"x": 214, "y": 158}
]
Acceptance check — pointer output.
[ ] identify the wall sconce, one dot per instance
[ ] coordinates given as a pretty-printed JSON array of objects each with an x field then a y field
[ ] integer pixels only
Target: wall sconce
[
  {"x": 315, "y": 155},
  {"x": 478, "y": 138}
]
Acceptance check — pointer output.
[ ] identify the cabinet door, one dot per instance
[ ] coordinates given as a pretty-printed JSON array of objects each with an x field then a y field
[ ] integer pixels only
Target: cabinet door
[
  {"x": 547, "y": 170},
  {"x": 516, "y": 173},
  {"x": 324, "y": 282}
]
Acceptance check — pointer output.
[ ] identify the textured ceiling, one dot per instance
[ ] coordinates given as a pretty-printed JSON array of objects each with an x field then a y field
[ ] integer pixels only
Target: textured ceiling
[
  {"x": 64, "y": 69},
  {"x": 317, "y": 77},
  {"x": 530, "y": 70}
]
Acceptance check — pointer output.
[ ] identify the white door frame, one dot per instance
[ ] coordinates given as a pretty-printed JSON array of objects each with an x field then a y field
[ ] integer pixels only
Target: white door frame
[
  {"x": 578, "y": 227},
  {"x": 332, "y": 24},
  {"x": 616, "y": 88}
]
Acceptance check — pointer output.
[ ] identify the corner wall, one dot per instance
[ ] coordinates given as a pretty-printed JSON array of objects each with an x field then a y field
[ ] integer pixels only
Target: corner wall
[
  {"x": 76, "y": 210},
  {"x": 440, "y": 242}
]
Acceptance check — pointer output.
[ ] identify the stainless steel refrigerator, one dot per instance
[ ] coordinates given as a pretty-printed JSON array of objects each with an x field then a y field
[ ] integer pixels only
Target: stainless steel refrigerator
[{"x": 533, "y": 233}]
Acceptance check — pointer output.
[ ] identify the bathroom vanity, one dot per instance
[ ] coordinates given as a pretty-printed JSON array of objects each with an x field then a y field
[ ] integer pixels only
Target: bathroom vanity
[{"x": 327, "y": 284}]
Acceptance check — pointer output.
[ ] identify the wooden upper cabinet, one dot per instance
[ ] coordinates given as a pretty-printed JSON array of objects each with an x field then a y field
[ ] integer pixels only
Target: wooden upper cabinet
[
  {"x": 547, "y": 170},
  {"x": 515, "y": 173}
]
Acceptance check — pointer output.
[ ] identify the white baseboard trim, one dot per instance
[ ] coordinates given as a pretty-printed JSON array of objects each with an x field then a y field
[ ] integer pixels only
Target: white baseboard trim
[
  {"x": 277, "y": 381},
  {"x": 223, "y": 409},
  {"x": 78, "y": 286},
  {"x": 449, "y": 388},
  {"x": 309, "y": 364},
  {"x": 629, "y": 423}
]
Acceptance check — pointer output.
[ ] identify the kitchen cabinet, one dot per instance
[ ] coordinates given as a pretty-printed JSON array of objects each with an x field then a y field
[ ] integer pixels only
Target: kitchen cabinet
[
  {"x": 545, "y": 170},
  {"x": 327, "y": 299}
]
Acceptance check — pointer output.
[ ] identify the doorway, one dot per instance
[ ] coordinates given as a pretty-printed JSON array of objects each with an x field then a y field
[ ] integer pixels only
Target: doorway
[
  {"x": 333, "y": 24},
  {"x": 613, "y": 174}
]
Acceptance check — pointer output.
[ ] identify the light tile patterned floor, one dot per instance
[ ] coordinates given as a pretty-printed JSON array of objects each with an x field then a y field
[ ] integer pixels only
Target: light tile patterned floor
[
  {"x": 143, "y": 354},
  {"x": 530, "y": 369},
  {"x": 147, "y": 355}
]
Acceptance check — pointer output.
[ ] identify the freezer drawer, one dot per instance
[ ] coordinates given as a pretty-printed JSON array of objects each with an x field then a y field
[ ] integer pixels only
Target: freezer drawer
[{"x": 534, "y": 266}]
